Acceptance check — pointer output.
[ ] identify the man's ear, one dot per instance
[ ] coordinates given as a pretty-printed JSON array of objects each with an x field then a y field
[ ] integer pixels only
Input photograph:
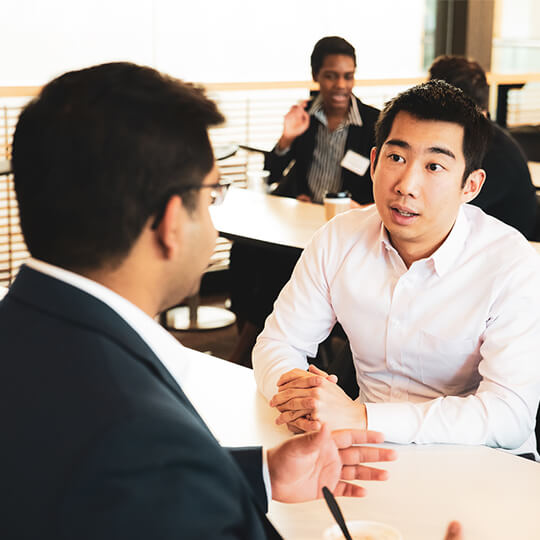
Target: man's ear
[
  {"x": 372, "y": 156},
  {"x": 473, "y": 185},
  {"x": 170, "y": 226}
]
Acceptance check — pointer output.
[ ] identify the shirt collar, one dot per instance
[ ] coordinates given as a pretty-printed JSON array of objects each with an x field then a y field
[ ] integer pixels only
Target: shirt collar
[
  {"x": 353, "y": 117},
  {"x": 447, "y": 252},
  {"x": 450, "y": 249}
]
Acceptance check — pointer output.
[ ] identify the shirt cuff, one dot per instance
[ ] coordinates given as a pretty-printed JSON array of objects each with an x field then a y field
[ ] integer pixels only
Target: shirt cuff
[
  {"x": 266, "y": 476},
  {"x": 398, "y": 422}
]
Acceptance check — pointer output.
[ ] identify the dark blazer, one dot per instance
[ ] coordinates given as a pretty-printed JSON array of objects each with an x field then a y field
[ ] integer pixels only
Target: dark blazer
[
  {"x": 508, "y": 192},
  {"x": 361, "y": 139},
  {"x": 98, "y": 440}
]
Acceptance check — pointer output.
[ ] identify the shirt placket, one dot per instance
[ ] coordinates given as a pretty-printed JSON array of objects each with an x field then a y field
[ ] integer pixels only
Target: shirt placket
[{"x": 397, "y": 334}]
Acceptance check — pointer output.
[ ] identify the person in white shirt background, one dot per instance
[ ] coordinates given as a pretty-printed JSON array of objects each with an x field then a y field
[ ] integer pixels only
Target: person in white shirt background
[{"x": 438, "y": 300}]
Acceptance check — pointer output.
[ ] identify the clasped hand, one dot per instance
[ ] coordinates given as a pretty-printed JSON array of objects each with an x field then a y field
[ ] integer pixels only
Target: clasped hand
[{"x": 308, "y": 399}]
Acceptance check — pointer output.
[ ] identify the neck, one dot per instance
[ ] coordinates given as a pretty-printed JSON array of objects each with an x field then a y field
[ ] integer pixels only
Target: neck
[
  {"x": 410, "y": 253},
  {"x": 130, "y": 285}
]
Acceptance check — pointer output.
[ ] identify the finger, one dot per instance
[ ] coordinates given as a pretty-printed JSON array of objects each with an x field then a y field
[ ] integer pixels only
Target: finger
[
  {"x": 294, "y": 429},
  {"x": 291, "y": 375},
  {"x": 366, "y": 454},
  {"x": 344, "y": 489},
  {"x": 306, "y": 425},
  {"x": 317, "y": 371},
  {"x": 294, "y": 394},
  {"x": 302, "y": 382},
  {"x": 299, "y": 404},
  {"x": 332, "y": 378},
  {"x": 454, "y": 531},
  {"x": 290, "y": 416},
  {"x": 360, "y": 472},
  {"x": 347, "y": 437}
]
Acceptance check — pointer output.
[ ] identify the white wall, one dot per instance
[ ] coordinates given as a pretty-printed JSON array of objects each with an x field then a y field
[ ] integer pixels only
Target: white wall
[{"x": 207, "y": 40}]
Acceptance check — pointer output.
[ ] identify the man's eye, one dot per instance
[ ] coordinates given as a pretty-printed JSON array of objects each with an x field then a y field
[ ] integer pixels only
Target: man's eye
[
  {"x": 435, "y": 167},
  {"x": 396, "y": 158}
]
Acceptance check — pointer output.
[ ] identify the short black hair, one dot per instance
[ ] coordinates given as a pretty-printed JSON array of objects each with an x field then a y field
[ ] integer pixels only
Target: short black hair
[
  {"x": 329, "y": 45},
  {"x": 462, "y": 73},
  {"x": 438, "y": 100},
  {"x": 99, "y": 152}
]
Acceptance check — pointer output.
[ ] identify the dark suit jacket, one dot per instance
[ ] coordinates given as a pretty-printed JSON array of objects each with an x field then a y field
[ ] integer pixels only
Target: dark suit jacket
[
  {"x": 98, "y": 440},
  {"x": 361, "y": 139},
  {"x": 508, "y": 192}
]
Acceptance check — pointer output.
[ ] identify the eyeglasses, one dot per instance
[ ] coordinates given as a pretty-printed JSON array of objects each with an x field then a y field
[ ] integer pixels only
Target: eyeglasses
[{"x": 217, "y": 196}]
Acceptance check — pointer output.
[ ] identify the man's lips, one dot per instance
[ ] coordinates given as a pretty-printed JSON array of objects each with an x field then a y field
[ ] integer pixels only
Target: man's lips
[{"x": 404, "y": 211}]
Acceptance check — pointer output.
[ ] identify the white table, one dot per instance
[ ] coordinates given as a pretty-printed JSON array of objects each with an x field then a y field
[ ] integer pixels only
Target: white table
[
  {"x": 534, "y": 168},
  {"x": 494, "y": 494},
  {"x": 267, "y": 219}
]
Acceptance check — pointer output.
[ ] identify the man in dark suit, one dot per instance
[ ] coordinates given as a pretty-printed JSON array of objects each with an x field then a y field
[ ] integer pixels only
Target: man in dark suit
[{"x": 114, "y": 174}]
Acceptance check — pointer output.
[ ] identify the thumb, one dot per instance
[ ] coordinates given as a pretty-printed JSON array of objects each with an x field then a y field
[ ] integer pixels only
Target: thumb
[
  {"x": 315, "y": 439},
  {"x": 317, "y": 371}
]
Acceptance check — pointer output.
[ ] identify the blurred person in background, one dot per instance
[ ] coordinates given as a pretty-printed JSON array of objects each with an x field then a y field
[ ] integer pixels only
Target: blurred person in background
[{"x": 508, "y": 192}]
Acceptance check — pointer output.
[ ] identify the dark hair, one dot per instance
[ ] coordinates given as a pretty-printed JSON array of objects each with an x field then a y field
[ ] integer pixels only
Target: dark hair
[
  {"x": 326, "y": 46},
  {"x": 465, "y": 74},
  {"x": 99, "y": 152},
  {"x": 438, "y": 100}
]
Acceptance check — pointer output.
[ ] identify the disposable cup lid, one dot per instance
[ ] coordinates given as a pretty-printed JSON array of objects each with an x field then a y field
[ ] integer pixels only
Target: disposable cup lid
[{"x": 338, "y": 195}]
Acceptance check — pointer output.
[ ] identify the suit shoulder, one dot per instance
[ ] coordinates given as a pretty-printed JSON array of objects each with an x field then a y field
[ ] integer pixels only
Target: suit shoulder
[{"x": 368, "y": 112}]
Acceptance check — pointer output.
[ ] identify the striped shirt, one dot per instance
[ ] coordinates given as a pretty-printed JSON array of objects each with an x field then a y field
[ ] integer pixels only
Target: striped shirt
[{"x": 324, "y": 174}]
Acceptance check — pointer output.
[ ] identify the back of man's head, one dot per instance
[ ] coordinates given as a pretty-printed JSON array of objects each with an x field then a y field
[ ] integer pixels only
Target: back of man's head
[
  {"x": 465, "y": 74},
  {"x": 99, "y": 152},
  {"x": 329, "y": 45},
  {"x": 438, "y": 100}
]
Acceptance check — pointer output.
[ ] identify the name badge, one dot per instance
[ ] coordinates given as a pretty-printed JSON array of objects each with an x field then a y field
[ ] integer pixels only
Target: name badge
[{"x": 355, "y": 162}]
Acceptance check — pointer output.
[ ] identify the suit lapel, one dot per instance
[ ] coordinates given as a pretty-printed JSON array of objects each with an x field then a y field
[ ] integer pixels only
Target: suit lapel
[{"x": 69, "y": 303}]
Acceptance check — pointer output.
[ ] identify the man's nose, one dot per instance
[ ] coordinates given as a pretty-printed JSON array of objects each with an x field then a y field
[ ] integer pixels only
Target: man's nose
[{"x": 408, "y": 182}]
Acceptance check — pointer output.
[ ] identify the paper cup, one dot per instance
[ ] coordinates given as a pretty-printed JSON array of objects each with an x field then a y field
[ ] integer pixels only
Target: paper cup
[
  {"x": 335, "y": 203},
  {"x": 258, "y": 181},
  {"x": 364, "y": 530}
]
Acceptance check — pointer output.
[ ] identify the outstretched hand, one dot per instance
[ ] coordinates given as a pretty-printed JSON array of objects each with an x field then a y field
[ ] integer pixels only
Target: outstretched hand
[
  {"x": 301, "y": 466},
  {"x": 296, "y": 121}
]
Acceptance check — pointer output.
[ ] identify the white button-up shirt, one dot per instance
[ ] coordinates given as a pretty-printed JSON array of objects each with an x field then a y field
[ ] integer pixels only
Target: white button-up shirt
[{"x": 446, "y": 351}]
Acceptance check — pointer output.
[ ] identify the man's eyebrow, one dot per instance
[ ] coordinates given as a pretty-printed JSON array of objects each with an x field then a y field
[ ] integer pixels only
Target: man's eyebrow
[
  {"x": 441, "y": 150},
  {"x": 398, "y": 142},
  {"x": 431, "y": 150}
]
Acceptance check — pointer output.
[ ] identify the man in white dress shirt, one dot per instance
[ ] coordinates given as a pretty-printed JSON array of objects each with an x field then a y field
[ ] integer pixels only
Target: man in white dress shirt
[{"x": 440, "y": 302}]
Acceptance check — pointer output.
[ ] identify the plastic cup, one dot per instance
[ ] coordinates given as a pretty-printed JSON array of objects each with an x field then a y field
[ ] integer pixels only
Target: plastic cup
[{"x": 335, "y": 203}]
